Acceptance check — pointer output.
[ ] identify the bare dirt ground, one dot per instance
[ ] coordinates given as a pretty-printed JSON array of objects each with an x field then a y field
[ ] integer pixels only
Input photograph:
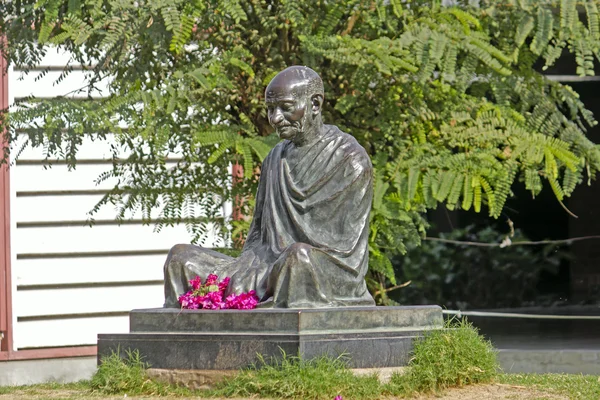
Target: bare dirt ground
[
  {"x": 478, "y": 392},
  {"x": 495, "y": 391}
]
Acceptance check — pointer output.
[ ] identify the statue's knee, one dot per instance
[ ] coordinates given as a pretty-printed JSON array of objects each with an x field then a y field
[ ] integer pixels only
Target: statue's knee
[
  {"x": 300, "y": 252},
  {"x": 176, "y": 257},
  {"x": 178, "y": 249}
]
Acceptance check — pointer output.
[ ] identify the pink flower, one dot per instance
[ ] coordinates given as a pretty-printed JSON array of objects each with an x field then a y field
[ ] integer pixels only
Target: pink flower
[
  {"x": 188, "y": 301},
  {"x": 210, "y": 296},
  {"x": 230, "y": 298},
  {"x": 244, "y": 301},
  {"x": 211, "y": 279},
  {"x": 224, "y": 283},
  {"x": 196, "y": 283},
  {"x": 338, "y": 397}
]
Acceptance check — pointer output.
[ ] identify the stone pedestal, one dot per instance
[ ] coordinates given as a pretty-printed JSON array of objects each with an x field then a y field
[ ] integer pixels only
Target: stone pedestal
[{"x": 371, "y": 337}]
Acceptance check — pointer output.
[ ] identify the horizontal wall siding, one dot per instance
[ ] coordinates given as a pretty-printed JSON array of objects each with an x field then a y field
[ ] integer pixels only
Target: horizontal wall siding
[
  {"x": 90, "y": 148},
  {"x": 95, "y": 239},
  {"x": 36, "y": 178},
  {"x": 72, "y": 281},
  {"x": 47, "y": 85},
  {"x": 59, "y": 207},
  {"x": 67, "y": 331},
  {"x": 98, "y": 270},
  {"x": 43, "y": 303}
]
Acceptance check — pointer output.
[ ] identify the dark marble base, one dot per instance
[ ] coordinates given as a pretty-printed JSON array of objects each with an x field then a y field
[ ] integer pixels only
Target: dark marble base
[{"x": 371, "y": 337}]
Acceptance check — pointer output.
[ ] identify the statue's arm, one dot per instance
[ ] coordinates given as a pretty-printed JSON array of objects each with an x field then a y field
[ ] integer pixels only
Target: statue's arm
[{"x": 342, "y": 206}]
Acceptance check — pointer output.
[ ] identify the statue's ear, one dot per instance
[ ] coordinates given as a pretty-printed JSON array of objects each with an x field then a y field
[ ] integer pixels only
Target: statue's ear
[{"x": 316, "y": 101}]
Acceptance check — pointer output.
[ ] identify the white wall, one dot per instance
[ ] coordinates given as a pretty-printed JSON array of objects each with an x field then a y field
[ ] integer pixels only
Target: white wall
[{"x": 72, "y": 281}]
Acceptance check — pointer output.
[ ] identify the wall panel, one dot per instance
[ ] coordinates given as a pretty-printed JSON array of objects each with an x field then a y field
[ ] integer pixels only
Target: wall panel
[
  {"x": 72, "y": 281},
  {"x": 67, "y": 332},
  {"x": 99, "y": 270}
]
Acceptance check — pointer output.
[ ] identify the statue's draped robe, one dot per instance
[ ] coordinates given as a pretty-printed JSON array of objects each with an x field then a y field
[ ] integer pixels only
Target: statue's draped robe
[{"x": 308, "y": 242}]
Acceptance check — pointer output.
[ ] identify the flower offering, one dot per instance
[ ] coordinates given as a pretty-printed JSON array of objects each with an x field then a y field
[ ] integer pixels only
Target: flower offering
[{"x": 210, "y": 295}]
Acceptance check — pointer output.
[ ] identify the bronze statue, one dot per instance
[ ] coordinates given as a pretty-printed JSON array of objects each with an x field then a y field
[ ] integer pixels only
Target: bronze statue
[{"x": 308, "y": 243}]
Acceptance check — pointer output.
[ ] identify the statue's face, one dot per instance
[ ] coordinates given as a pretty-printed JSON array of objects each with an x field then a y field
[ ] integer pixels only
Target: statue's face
[{"x": 287, "y": 111}]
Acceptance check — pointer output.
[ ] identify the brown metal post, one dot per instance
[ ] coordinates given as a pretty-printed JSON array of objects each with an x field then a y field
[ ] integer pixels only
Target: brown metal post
[
  {"x": 238, "y": 175},
  {"x": 238, "y": 202},
  {"x": 5, "y": 272}
]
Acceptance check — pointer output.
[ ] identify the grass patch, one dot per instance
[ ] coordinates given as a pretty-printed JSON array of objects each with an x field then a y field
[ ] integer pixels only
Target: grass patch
[
  {"x": 443, "y": 358},
  {"x": 76, "y": 386},
  {"x": 545, "y": 386},
  {"x": 573, "y": 386},
  {"x": 294, "y": 378},
  {"x": 455, "y": 356},
  {"x": 117, "y": 375}
]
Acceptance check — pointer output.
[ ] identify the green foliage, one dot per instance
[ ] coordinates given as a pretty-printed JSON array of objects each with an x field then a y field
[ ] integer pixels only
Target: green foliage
[
  {"x": 455, "y": 356},
  {"x": 117, "y": 375},
  {"x": 463, "y": 276},
  {"x": 295, "y": 378},
  {"x": 392, "y": 228},
  {"x": 445, "y": 100}
]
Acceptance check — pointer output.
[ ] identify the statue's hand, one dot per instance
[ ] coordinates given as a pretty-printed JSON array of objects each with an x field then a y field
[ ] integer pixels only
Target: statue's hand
[
  {"x": 243, "y": 281},
  {"x": 235, "y": 285}
]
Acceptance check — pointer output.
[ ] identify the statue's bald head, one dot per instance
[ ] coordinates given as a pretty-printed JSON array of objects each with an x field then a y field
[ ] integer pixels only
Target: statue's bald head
[
  {"x": 298, "y": 81},
  {"x": 294, "y": 99}
]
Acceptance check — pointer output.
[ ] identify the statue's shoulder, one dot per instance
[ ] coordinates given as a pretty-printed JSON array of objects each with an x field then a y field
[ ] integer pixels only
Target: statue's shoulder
[
  {"x": 349, "y": 147},
  {"x": 276, "y": 151}
]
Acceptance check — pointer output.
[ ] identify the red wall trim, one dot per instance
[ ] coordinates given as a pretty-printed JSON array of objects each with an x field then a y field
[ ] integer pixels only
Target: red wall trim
[
  {"x": 59, "y": 352},
  {"x": 5, "y": 272}
]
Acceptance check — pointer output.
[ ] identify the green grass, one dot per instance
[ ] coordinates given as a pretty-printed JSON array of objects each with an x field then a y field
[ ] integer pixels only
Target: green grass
[
  {"x": 117, "y": 375},
  {"x": 444, "y": 358},
  {"x": 574, "y": 386},
  {"x": 76, "y": 386},
  {"x": 455, "y": 356},
  {"x": 294, "y": 378}
]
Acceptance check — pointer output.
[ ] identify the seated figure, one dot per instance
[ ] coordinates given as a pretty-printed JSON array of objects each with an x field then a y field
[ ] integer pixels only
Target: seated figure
[{"x": 308, "y": 242}]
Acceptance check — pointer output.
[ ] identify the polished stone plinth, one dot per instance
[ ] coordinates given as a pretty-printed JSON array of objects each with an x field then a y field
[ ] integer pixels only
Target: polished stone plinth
[{"x": 371, "y": 337}]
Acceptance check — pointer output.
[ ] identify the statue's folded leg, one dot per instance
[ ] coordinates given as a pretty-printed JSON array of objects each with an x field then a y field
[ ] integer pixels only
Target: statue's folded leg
[
  {"x": 185, "y": 262},
  {"x": 295, "y": 281},
  {"x": 306, "y": 277}
]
